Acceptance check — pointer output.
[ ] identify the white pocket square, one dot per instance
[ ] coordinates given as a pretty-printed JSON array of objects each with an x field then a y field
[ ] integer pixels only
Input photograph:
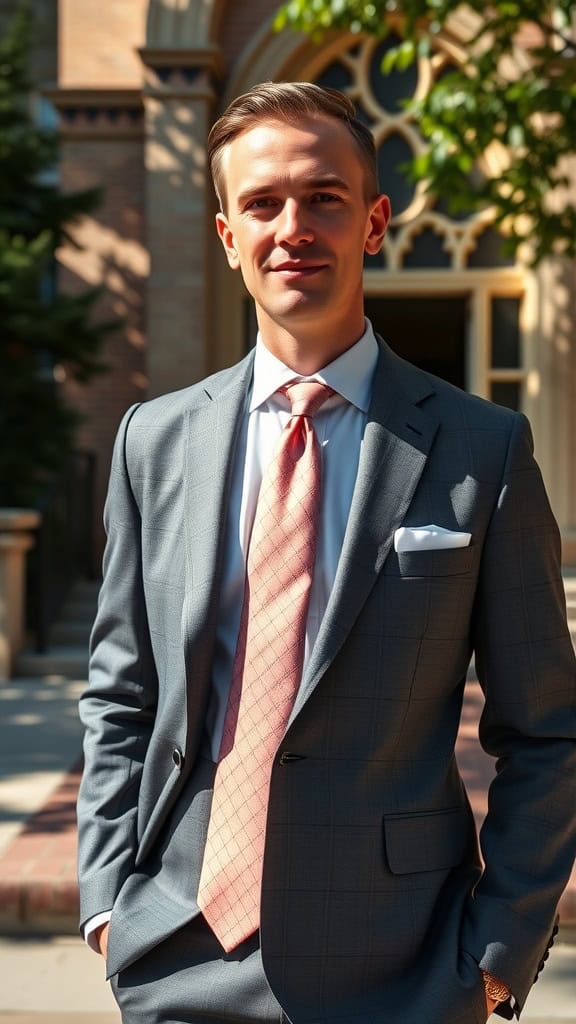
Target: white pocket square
[{"x": 429, "y": 538}]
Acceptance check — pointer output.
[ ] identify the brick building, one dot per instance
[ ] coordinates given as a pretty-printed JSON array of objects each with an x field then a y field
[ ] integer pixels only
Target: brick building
[{"x": 136, "y": 86}]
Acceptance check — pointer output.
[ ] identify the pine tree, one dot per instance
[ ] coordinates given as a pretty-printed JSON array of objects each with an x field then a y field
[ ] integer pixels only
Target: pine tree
[{"x": 40, "y": 327}]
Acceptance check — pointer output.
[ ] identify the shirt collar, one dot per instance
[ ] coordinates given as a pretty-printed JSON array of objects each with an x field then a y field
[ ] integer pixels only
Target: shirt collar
[{"x": 350, "y": 375}]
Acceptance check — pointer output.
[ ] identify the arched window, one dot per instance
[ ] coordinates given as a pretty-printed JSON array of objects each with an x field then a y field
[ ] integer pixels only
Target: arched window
[{"x": 442, "y": 291}]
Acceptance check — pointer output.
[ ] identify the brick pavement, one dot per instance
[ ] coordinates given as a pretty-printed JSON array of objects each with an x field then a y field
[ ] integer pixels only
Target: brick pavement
[{"x": 38, "y": 890}]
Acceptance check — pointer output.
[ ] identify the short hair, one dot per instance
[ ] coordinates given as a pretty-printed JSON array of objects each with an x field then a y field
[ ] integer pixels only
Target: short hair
[{"x": 289, "y": 101}]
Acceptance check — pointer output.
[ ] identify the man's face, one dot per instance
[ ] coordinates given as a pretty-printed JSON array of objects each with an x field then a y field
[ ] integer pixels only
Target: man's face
[{"x": 298, "y": 222}]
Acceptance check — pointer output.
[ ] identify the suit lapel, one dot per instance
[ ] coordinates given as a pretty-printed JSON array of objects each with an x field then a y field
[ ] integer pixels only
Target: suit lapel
[
  {"x": 211, "y": 437},
  {"x": 396, "y": 444}
]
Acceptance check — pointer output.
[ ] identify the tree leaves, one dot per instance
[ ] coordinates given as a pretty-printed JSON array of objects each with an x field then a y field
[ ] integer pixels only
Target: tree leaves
[
  {"x": 41, "y": 327},
  {"x": 516, "y": 86}
]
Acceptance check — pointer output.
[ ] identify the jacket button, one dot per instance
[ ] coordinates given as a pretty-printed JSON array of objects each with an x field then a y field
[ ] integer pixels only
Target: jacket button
[
  {"x": 178, "y": 758},
  {"x": 287, "y": 758}
]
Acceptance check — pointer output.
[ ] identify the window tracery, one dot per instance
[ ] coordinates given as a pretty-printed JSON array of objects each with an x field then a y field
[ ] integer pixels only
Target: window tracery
[{"x": 428, "y": 249}]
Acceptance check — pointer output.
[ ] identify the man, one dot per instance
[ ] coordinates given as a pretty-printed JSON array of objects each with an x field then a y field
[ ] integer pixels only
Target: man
[{"x": 303, "y": 553}]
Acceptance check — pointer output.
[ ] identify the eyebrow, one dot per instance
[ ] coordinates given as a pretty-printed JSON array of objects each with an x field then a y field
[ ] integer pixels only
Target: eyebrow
[{"x": 326, "y": 181}]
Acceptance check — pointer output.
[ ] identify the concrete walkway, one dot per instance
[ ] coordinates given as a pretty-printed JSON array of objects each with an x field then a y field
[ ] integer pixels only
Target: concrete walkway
[
  {"x": 69, "y": 988},
  {"x": 40, "y": 738}
]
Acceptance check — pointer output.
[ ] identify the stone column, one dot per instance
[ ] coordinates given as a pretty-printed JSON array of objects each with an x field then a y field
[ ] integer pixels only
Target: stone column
[
  {"x": 178, "y": 99},
  {"x": 102, "y": 145},
  {"x": 15, "y": 540},
  {"x": 554, "y": 410}
]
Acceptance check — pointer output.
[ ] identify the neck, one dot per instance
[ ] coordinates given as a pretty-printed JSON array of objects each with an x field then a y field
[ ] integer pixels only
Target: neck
[{"x": 307, "y": 352}]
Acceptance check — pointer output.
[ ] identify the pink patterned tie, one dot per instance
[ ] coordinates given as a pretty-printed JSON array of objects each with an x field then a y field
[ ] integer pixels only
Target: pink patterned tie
[{"x": 267, "y": 670}]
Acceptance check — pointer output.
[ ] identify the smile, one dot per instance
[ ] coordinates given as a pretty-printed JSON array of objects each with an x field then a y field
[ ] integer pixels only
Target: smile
[{"x": 293, "y": 270}]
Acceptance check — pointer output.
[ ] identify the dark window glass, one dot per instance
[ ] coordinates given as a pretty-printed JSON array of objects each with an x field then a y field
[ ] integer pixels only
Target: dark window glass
[
  {"x": 505, "y": 333},
  {"x": 489, "y": 251},
  {"x": 427, "y": 251},
  {"x": 250, "y": 324},
  {"x": 508, "y": 393},
  {"x": 391, "y": 89},
  {"x": 429, "y": 331},
  {"x": 445, "y": 70},
  {"x": 335, "y": 76},
  {"x": 394, "y": 152},
  {"x": 376, "y": 262},
  {"x": 363, "y": 114}
]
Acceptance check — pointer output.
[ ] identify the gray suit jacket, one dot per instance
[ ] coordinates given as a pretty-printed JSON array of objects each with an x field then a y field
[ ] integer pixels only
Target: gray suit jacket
[{"x": 374, "y": 904}]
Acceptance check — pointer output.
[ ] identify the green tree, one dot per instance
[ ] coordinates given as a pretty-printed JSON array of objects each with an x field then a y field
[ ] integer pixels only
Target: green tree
[
  {"x": 41, "y": 328},
  {"x": 529, "y": 109}
]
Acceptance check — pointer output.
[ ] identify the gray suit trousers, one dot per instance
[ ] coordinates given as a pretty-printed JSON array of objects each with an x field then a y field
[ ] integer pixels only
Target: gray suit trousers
[{"x": 188, "y": 980}]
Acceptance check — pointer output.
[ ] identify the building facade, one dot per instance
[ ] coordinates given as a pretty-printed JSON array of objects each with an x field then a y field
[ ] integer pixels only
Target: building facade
[{"x": 135, "y": 92}]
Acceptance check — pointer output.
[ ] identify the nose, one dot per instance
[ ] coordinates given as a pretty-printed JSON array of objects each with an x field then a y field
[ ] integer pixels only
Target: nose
[{"x": 292, "y": 227}]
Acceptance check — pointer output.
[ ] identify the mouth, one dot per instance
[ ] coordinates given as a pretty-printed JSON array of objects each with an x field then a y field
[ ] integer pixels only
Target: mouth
[{"x": 292, "y": 270}]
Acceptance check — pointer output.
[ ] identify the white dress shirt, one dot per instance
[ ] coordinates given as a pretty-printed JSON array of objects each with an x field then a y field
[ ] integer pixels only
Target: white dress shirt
[{"x": 339, "y": 425}]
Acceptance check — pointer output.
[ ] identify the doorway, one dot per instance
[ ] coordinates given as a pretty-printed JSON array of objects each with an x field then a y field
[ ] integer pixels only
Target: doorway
[{"x": 427, "y": 330}]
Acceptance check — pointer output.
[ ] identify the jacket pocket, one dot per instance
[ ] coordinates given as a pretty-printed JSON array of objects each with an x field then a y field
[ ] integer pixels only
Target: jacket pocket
[
  {"x": 437, "y": 562},
  {"x": 427, "y": 841}
]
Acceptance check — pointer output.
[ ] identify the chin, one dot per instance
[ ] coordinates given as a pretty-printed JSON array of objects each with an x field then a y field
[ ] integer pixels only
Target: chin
[{"x": 301, "y": 304}]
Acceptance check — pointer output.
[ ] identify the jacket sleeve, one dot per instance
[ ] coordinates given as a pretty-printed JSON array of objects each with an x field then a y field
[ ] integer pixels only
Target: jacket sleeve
[
  {"x": 118, "y": 708},
  {"x": 526, "y": 667}
]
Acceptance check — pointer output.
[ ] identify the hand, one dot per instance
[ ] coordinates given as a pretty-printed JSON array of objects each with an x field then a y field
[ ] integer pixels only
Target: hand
[
  {"x": 101, "y": 935},
  {"x": 497, "y": 988}
]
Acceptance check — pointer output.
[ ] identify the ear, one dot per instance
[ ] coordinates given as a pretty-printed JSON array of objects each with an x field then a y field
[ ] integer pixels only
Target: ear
[
  {"x": 377, "y": 224},
  {"x": 227, "y": 238}
]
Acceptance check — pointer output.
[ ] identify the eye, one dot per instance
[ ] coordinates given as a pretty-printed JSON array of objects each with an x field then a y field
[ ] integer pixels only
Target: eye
[
  {"x": 261, "y": 203},
  {"x": 325, "y": 197}
]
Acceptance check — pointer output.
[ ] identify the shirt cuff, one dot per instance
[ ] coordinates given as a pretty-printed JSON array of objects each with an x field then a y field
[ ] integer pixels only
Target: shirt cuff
[{"x": 91, "y": 925}]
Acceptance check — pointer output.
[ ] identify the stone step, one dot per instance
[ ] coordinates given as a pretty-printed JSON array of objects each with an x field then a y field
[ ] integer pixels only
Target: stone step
[
  {"x": 87, "y": 589},
  {"x": 81, "y": 610},
  {"x": 67, "y": 653},
  {"x": 71, "y": 662},
  {"x": 81, "y": 603},
  {"x": 70, "y": 633}
]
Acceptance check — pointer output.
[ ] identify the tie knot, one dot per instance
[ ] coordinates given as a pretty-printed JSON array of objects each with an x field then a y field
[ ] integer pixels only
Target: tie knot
[{"x": 307, "y": 396}]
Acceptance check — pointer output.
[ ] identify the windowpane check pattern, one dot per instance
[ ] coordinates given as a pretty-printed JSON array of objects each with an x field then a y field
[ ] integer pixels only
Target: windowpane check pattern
[{"x": 267, "y": 670}]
